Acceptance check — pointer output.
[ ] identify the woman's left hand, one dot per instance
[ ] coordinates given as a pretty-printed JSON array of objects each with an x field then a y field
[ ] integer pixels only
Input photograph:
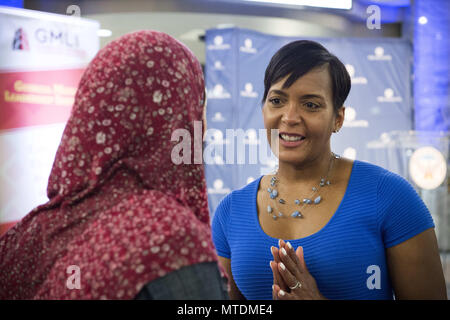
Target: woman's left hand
[{"x": 292, "y": 280}]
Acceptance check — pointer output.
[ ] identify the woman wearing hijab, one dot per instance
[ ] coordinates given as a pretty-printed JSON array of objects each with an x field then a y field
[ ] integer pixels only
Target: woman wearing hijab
[{"x": 123, "y": 221}]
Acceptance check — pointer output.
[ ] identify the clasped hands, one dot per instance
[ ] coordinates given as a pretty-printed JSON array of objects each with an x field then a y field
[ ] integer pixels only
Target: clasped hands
[{"x": 291, "y": 278}]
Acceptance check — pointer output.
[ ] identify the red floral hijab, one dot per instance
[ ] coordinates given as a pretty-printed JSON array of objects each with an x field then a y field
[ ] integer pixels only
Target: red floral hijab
[{"x": 120, "y": 211}]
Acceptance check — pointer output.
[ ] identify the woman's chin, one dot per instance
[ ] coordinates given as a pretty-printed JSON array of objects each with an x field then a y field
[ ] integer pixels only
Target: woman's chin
[{"x": 291, "y": 158}]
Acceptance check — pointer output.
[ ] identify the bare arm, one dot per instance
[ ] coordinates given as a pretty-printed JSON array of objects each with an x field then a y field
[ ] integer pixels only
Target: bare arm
[
  {"x": 415, "y": 268},
  {"x": 234, "y": 292}
]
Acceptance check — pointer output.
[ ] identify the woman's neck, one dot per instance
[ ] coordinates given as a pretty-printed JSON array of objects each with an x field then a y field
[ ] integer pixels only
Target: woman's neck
[{"x": 310, "y": 172}]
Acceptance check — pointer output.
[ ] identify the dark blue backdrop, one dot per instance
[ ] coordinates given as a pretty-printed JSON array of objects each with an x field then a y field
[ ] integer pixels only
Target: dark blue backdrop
[{"x": 236, "y": 59}]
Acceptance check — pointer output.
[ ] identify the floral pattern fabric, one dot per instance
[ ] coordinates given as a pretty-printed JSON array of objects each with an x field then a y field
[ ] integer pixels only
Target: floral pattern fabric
[{"x": 120, "y": 210}]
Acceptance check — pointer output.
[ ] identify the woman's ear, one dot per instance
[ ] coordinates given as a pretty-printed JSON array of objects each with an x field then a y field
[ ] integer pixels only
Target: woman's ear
[{"x": 340, "y": 116}]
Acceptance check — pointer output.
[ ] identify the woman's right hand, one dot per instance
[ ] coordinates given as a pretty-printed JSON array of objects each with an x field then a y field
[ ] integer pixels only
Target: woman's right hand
[{"x": 292, "y": 280}]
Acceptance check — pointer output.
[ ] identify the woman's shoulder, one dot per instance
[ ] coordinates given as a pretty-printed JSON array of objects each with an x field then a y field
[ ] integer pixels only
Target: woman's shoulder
[
  {"x": 378, "y": 181},
  {"x": 367, "y": 167},
  {"x": 383, "y": 174},
  {"x": 388, "y": 184},
  {"x": 240, "y": 196},
  {"x": 363, "y": 170},
  {"x": 246, "y": 190}
]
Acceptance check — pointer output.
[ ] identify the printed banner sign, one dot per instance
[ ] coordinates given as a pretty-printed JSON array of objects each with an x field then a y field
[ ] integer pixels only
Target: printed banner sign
[{"x": 42, "y": 58}]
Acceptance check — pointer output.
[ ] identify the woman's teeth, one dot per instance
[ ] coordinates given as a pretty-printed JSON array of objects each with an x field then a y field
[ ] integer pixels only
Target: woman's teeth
[{"x": 291, "y": 138}]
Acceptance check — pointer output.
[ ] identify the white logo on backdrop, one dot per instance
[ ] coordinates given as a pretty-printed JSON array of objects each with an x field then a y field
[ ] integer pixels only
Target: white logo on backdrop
[
  {"x": 218, "y": 92},
  {"x": 355, "y": 80},
  {"x": 218, "y": 44},
  {"x": 350, "y": 153},
  {"x": 218, "y": 188},
  {"x": 218, "y": 117},
  {"x": 389, "y": 96},
  {"x": 248, "y": 91},
  {"x": 350, "y": 119},
  {"x": 379, "y": 55},
  {"x": 248, "y": 46},
  {"x": 218, "y": 65}
]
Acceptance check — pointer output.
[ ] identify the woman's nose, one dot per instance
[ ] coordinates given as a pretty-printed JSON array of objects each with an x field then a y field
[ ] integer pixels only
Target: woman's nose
[{"x": 291, "y": 115}]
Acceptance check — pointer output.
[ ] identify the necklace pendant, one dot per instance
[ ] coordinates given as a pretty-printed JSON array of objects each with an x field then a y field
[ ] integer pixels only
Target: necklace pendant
[
  {"x": 273, "y": 181},
  {"x": 273, "y": 194},
  {"x": 296, "y": 214}
]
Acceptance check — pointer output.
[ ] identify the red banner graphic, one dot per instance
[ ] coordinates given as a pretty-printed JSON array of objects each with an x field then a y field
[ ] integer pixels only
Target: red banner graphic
[{"x": 37, "y": 97}]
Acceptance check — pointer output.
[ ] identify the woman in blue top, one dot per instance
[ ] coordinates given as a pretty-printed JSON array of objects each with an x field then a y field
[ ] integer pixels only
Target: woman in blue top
[{"x": 350, "y": 229}]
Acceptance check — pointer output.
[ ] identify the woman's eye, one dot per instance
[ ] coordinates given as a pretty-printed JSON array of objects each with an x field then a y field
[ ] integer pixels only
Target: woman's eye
[
  {"x": 311, "y": 105},
  {"x": 275, "y": 101}
]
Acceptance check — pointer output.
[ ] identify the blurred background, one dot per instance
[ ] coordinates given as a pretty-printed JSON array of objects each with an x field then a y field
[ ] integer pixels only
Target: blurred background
[
  {"x": 188, "y": 20},
  {"x": 396, "y": 51}
]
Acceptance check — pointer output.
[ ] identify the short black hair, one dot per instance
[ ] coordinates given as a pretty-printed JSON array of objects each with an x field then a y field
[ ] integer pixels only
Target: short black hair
[{"x": 298, "y": 58}]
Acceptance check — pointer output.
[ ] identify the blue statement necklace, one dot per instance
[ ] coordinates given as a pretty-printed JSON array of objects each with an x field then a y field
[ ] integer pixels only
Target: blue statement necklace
[{"x": 313, "y": 199}]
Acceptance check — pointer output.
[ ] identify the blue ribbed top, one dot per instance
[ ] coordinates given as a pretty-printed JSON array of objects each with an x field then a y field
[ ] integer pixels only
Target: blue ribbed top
[{"x": 379, "y": 210}]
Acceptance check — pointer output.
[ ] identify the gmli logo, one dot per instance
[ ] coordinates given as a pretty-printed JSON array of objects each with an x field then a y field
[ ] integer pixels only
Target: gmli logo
[
  {"x": 46, "y": 37},
  {"x": 20, "y": 41},
  {"x": 57, "y": 37}
]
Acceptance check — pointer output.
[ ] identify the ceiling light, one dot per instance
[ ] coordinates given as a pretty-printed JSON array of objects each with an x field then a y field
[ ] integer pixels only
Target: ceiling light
[
  {"x": 423, "y": 20},
  {"x": 104, "y": 33}
]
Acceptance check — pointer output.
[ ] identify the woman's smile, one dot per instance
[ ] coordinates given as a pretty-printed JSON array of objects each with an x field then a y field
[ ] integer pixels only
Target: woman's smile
[{"x": 291, "y": 140}]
